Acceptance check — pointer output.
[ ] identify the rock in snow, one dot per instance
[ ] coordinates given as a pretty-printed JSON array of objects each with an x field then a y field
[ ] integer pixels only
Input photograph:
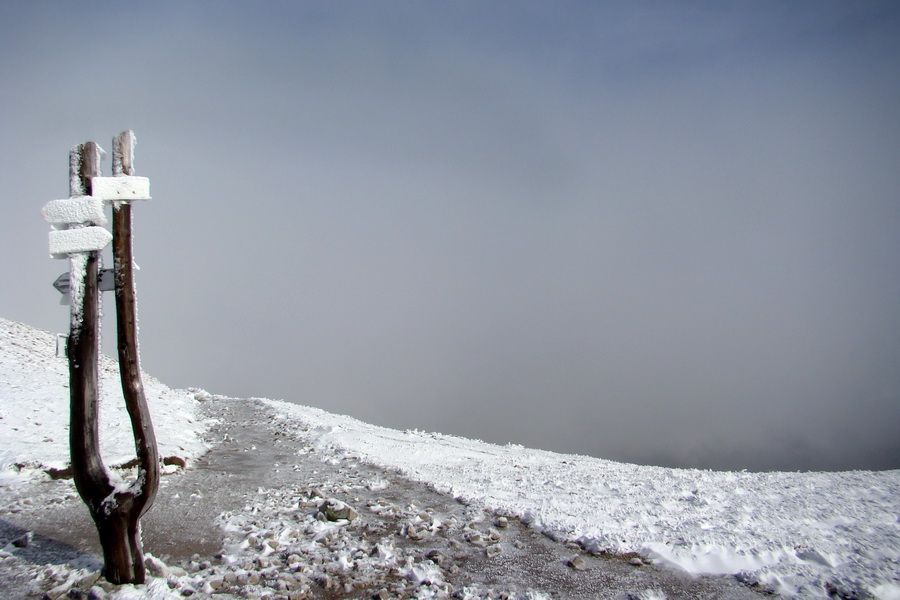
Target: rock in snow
[{"x": 335, "y": 510}]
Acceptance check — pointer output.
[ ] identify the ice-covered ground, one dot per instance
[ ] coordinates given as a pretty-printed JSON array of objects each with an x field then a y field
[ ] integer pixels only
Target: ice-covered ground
[{"x": 801, "y": 534}]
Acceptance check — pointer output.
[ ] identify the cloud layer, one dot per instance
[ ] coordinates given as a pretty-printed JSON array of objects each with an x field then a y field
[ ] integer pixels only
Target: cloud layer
[{"x": 653, "y": 233}]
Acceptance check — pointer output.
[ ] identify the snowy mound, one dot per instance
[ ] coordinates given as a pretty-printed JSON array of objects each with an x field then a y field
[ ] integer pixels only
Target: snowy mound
[
  {"x": 34, "y": 408},
  {"x": 811, "y": 535}
]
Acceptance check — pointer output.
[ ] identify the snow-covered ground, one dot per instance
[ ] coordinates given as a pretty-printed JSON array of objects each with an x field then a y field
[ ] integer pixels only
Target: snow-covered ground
[
  {"x": 796, "y": 533},
  {"x": 800, "y": 534},
  {"x": 34, "y": 408}
]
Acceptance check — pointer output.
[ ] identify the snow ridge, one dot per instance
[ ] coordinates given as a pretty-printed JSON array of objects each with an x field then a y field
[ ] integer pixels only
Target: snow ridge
[{"x": 808, "y": 535}]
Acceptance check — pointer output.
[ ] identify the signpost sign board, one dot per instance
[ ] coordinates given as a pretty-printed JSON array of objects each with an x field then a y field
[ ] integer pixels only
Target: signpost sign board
[
  {"x": 78, "y": 234},
  {"x": 106, "y": 280}
]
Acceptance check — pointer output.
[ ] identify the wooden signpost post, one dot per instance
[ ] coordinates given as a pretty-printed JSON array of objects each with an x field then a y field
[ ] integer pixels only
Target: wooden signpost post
[{"x": 78, "y": 234}]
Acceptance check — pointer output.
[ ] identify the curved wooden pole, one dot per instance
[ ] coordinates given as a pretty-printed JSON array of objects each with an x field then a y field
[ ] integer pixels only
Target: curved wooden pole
[
  {"x": 120, "y": 534},
  {"x": 116, "y": 513},
  {"x": 146, "y": 486}
]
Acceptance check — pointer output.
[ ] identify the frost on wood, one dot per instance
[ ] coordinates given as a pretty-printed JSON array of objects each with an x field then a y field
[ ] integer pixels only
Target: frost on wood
[
  {"x": 76, "y": 188},
  {"x": 77, "y": 269},
  {"x": 82, "y": 209},
  {"x": 76, "y": 159},
  {"x": 83, "y": 239},
  {"x": 123, "y": 153}
]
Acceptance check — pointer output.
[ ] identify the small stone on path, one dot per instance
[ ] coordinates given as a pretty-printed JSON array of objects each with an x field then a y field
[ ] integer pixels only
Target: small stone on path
[{"x": 577, "y": 563}]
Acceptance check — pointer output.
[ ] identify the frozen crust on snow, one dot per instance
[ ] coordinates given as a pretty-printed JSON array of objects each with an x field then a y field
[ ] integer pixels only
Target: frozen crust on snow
[{"x": 800, "y": 534}]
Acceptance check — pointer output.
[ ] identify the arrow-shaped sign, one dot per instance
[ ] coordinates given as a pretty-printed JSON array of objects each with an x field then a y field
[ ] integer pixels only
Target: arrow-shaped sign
[
  {"x": 83, "y": 239},
  {"x": 62, "y": 283},
  {"x": 106, "y": 280},
  {"x": 66, "y": 215},
  {"x": 81, "y": 209}
]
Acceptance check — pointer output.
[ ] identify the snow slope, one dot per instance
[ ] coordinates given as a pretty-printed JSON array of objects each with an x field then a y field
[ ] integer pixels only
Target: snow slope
[
  {"x": 800, "y": 534},
  {"x": 34, "y": 408}
]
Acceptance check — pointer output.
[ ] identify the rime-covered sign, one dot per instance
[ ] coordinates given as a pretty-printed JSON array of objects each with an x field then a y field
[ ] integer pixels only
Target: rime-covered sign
[
  {"x": 81, "y": 209},
  {"x": 64, "y": 242},
  {"x": 123, "y": 188}
]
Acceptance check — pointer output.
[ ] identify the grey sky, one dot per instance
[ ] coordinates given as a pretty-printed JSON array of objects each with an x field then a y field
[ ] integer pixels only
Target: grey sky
[{"x": 654, "y": 232}]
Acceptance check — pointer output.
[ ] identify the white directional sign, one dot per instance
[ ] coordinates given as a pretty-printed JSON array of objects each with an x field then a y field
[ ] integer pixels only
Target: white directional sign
[
  {"x": 83, "y": 239},
  {"x": 82, "y": 209},
  {"x": 105, "y": 279},
  {"x": 77, "y": 222},
  {"x": 120, "y": 189}
]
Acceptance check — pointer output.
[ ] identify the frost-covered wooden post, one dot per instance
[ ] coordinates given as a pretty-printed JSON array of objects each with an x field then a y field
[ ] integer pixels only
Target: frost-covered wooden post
[
  {"x": 126, "y": 321},
  {"x": 120, "y": 534},
  {"x": 78, "y": 234}
]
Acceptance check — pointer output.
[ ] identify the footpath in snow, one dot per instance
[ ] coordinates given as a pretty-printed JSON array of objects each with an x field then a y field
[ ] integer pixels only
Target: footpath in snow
[
  {"x": 253, "y": 512},
  {"x": 265, "y": 515}
]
